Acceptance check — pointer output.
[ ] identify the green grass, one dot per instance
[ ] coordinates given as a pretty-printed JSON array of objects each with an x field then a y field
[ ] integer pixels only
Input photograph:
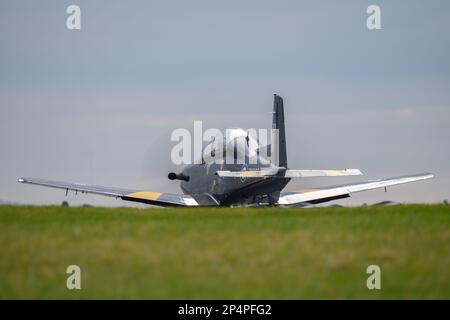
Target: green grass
[{"x": 225, "y": 253}]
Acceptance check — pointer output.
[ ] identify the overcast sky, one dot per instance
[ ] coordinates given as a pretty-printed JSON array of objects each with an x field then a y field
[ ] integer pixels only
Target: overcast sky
[{"x": 98, "y": 105}]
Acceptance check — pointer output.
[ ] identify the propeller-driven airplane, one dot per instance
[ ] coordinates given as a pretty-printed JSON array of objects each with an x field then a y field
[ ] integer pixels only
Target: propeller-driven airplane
[{"x": 251, "y": 183}]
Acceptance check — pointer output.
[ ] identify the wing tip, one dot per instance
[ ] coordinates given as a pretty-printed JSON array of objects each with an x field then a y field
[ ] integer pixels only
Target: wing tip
[
  {"x": 354, "y": 172},
  {"x": 429, "y": 175}
]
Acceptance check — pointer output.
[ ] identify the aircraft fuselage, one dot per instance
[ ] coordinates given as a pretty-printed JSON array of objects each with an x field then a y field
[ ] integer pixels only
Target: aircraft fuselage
[{"x": 202, "y": 179}]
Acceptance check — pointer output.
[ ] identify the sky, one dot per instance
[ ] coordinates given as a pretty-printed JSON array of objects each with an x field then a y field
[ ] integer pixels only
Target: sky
[{"x": 97, "y": 105}]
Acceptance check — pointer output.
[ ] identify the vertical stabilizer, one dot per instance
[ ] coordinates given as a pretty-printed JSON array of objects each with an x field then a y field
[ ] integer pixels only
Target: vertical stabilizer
[{"x": 278, "y": 151}]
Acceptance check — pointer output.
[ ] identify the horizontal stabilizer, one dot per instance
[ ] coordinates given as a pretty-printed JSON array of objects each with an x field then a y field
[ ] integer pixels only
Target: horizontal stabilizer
[
  {"x": 248, "y": 174},
  {"x": 321, "y": 173},
  {"x": 288, "y": 173}
]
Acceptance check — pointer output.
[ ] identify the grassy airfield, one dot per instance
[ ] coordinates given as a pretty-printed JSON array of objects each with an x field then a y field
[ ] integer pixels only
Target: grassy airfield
[{"x": 225, "y": 253}]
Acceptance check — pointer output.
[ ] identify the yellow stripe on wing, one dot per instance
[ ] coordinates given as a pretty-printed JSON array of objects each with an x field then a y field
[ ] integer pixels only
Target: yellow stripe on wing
[
  {"x": 335, "y": 173},
  {"x": 249, "y": 174},
  {"x": 145, "y": 195}
]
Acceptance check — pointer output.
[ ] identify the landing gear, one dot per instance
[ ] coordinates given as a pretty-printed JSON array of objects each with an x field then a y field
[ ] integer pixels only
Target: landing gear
[{"x": 273, "y": 198}]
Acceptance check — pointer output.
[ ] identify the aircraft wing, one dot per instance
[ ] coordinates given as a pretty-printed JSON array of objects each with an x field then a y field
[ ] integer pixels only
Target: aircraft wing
[
  {"x": 314, "y": 196},
  {"x": 154, "y": 198}
]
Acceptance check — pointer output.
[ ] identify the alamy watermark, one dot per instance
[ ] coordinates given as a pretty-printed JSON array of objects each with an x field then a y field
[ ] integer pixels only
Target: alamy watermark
[
  {"x": 373, "y": 22},
  {"x": 74, "y": 279},
  {"x": 73, "y": 21},
  {"x": 374, "y": 280},
  {"x": 230, "y": 146}
]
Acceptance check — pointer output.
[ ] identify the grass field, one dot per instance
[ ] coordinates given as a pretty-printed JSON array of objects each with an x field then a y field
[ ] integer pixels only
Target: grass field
[{"x": 225, "y": 253}]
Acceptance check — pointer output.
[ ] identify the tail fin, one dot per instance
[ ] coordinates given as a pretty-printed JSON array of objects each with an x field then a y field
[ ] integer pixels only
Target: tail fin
[{"x": 278, "y": 151}]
